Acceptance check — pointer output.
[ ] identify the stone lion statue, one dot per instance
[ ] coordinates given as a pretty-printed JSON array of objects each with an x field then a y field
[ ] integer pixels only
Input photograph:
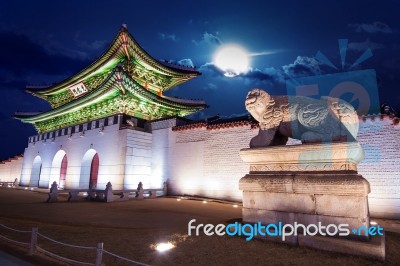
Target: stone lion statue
[{"x": 309, "y": 120}]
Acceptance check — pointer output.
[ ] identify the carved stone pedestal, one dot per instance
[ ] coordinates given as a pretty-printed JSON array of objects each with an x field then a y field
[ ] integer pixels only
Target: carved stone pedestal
[{"x": 311, "y": 184}]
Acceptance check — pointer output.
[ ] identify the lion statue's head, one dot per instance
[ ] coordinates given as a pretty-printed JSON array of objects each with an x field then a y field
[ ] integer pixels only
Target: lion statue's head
[{"x": 261, "y": 106}]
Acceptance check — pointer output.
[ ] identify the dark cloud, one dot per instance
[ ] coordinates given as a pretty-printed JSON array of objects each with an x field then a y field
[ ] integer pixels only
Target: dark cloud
[
  {"x": 21, "y": 57},
  {"x": 98, "y": 45},
  {"x": 258, "y": 74},
  {"x": 374, "y": 27},
  {"x": 302, "y": 66},
  {"x": 211, "y": 69}
]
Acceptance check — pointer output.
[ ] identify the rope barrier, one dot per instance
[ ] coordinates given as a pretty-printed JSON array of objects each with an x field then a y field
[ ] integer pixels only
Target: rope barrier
[
  {"x": 14, "y": 241},
  {"x": 16, "y": 230},
  {"x": 64, "y": 244},
  {"x": 61, "y": 243},
  {"x": 122, "y": 258},
  {"x": 60, "y": 257}
]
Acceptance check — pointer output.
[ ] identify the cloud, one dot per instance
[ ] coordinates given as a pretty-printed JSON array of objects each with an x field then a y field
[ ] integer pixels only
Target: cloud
[
  {"x": 210, "y": 86},
  {"x": 95, "y": 45},
  {"x": 199, "y": 115},
  {"x": 375, "y": 27},
  {"x": 256, "y": 77},
  {"x": 209, "y": 39},
  {"x": 186, "y": 62},
  {"x": 266, "y": 52},
  {"x": 167, "y": 36},
  {"x": 362, "y": 46},
  {"x": 302, "y": 66},
  {"x": 211, "y": 69},
  {"x": 258, "y": 74},
  {"x": 53, "y": 46},
  {"x": 24, "y": 57},
  {"x": 235, "y": 115}
]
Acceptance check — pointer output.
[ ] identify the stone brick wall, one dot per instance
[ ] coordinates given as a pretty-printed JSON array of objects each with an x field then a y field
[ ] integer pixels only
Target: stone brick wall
[
  {"x": 380, "y": 139},
  {"x": 203, "y": 162},
  {"x": 11, "y": 169},
  {"x": 207, "y": 162}
]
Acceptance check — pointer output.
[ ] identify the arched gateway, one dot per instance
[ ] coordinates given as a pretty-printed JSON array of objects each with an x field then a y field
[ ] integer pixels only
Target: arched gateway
[
  {"x": 89, "y": 170},
  {"x": 35, "y": 172},
  {"x": 59, "y": 169}
]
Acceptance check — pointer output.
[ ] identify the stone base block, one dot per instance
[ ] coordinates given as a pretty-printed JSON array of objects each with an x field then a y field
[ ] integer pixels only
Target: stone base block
[
  {"x": 274, "y": 217},
  {"x": 311, "y": 186},
  {"x": 373, "y": 249}
]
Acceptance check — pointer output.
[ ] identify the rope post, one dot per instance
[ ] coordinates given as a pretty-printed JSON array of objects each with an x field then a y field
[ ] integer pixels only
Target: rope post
[
  {"x": 99, "y": 254},
  {"x": 32, "y": 249}
]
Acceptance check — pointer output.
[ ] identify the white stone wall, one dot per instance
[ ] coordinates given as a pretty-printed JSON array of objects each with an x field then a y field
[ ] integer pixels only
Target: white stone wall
[
  {"x": 206, "y": 162},
  {"x": 380, "y": 139},
  {"x": 198, "y": 161},
  {"x": 138, "y": 160},
  {"x": 10, "y": 170}
]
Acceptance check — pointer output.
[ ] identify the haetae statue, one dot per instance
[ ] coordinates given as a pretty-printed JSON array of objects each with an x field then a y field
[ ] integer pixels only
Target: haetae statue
[{"x": 310, "y": 120}]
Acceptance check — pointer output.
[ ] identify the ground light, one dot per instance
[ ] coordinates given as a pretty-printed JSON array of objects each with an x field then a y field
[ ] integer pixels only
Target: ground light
[
  {"x": 161, "y": 247},
  {"x": 235, "y": 206},
  {"x": 204, "y": 201}
]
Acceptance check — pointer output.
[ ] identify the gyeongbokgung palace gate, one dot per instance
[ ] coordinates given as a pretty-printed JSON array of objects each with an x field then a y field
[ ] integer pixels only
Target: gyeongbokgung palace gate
[
  {"x": 112, "y": 122},
  {"x": 97, "y": 130}
]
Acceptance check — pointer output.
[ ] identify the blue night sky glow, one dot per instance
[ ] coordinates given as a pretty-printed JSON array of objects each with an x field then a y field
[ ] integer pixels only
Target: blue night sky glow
[{"x": 44, "y": 42}]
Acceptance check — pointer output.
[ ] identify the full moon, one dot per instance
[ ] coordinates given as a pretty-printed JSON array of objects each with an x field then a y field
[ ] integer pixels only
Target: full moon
[{"x": 232, "y": 59}]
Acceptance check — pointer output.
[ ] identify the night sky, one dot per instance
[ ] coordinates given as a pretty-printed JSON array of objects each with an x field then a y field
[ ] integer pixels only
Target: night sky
[{"x": 44, "y": 42}]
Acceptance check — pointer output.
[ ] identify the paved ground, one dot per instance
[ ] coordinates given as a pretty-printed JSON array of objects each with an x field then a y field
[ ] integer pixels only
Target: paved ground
[
  {"x": 9, "y": 260},
  {"x": 160, "y": 213},
  {"x": 132, "y": 228}
]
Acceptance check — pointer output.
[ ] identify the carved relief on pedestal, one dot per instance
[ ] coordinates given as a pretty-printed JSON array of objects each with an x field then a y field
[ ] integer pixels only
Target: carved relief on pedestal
[{"x": 304, "y": 167}]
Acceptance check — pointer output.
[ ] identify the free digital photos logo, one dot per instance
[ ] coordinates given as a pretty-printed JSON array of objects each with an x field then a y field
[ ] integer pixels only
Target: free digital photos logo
[{"x": 251, "y": 230}]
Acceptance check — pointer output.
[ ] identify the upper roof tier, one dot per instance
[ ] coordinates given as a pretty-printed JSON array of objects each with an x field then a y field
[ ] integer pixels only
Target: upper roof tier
[
  {"x": 152, "y": 74},
  {"x": 117, "y": 94}
]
